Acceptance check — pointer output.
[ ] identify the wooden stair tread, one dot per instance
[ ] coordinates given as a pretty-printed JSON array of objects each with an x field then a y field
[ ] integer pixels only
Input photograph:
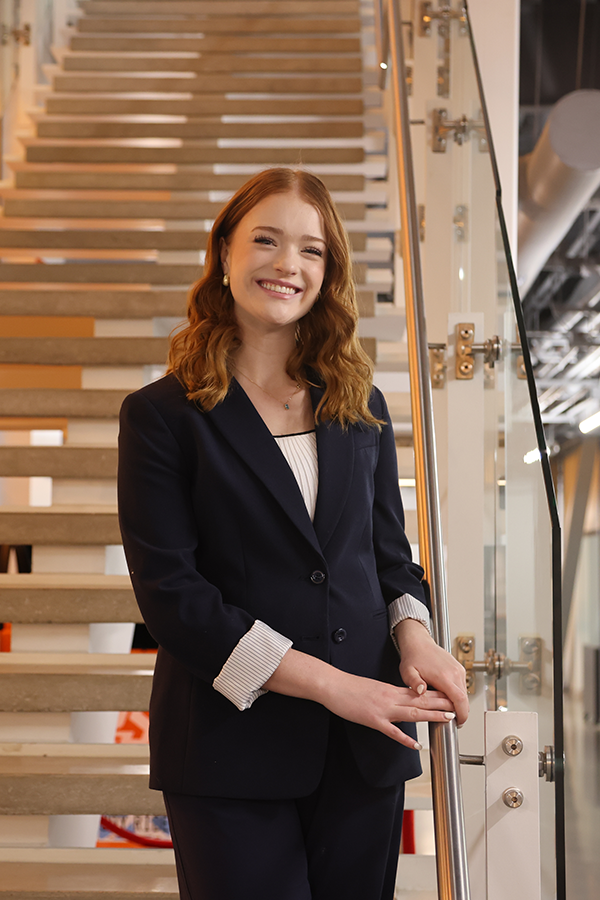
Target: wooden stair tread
[
  {"x": 225, "y": 7},
  {"x": 65, "y": 598},
  {"x": 107, "y": 107},
  {"x": 110, "y": 304},
  {"x": 196, "y": 128},
  {"x": 207, "y": 84},
  {"x": 206, "y": 44},
  {"x": 58, "y": 462},
  {"x": 103, "y": 62},
  {"x": 98, "y": 273},
  {"x": 38, "y": 663},
  {"x": 85, "y": 351},
  {"x": 70, "y": 403},
  {"x": 89, "y": 881},
  {"x": 220, "y": 24},
  {"x": 159, "y": 151}
]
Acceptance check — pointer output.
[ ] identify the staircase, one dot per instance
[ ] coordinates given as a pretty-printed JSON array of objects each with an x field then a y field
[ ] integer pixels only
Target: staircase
[{"x": 154, "y": 115}]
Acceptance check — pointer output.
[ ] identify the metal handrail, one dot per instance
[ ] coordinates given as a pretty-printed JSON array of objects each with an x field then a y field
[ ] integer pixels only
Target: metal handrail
[{"x": 450, "y": 835}]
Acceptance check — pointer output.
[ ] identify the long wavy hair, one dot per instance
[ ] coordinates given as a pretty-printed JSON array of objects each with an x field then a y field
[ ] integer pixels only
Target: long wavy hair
[{"x": 327, "y": 352}]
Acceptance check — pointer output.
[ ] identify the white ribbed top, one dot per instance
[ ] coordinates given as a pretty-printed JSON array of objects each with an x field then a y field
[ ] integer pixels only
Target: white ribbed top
[{"x": 300, "y": 451}]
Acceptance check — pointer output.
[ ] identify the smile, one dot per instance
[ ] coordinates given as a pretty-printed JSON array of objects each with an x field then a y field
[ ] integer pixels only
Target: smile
[{"x": 278, "y": 288}]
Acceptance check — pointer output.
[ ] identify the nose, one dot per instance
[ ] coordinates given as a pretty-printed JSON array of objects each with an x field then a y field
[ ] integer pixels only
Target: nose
[{"x": 286, "y": 262}]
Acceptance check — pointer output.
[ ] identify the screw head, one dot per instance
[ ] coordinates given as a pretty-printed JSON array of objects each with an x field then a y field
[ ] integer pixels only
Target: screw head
[
  {"x": 512, "y": 745},
  {"x": 512, "y": 797}
]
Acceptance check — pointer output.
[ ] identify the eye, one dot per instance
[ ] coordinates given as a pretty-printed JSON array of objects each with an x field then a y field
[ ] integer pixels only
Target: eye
[
  {"x": 263, "y": 239},
  {"x": 314, "y": 251}
]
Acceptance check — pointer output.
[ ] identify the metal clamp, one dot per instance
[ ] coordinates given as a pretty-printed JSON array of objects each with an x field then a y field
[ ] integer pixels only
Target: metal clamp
[
  {"x": 443, "y": 15},
  {"x": 547, "y": 763},
  {"x": 460, "y": 129},
  {"x": 497, "y": 665},
  {"x": 19, "y": 35}
]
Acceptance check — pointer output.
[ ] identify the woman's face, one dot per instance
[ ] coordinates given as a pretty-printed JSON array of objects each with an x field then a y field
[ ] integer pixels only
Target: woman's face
[{"x": 275, "y": 260}]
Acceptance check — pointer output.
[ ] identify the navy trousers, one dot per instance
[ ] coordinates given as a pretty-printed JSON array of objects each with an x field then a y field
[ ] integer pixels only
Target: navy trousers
[{"x": 342, "y": 841}]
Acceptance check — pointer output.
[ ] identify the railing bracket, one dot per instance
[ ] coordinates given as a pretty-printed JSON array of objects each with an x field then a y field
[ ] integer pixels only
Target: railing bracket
[
  {"x": 496, "y": 665},
  {"x": 443, "y": 15},
  {"x": 459, "y": 129}
]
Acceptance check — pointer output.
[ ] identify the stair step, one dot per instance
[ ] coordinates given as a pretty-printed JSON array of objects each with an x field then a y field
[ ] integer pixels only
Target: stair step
[
  {"x": 226, "y": 7},
  {"x": 197, "y": 107},
  {"x": 84, "y": 351},
  {"x": 175, "y": 152},
  {"x": 99, "y": 304},
  {"x": 99, "y": 273},
  {"x": 220, "y": 24},
  {"x": 37, "y": 598},
  {"x": 95, "y": 205},
  {"x": 102, "y": 781},
  {"x": 59, "y": 525},
  {"x": 207, "y": 44},
  {"x": 206, "y": 84},
  {"x": 35, "y": 175},
  {"x": 95, "y": 239},
  {"x": 54, "y": 403},
  {"x": 57, "y": 127},
  {"x": 213, "y": 62},
  {"x": 58, "y": 462},
  {"x": 87, "y": 881},
  {"x": 76, "y": 682}
]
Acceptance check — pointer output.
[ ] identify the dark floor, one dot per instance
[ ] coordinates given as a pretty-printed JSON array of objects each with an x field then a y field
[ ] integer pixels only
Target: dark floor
[{"x": 582, "y": 749}]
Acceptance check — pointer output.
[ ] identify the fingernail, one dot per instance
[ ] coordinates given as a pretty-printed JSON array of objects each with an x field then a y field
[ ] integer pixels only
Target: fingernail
[
  {"x": 417, "y": 745},
  {"x": 421, "y": 689},
  {"x": 450, "y": 715}
]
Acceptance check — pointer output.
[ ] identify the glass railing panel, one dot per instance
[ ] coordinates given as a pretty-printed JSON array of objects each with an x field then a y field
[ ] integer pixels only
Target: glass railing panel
[{"x": 469, "y": 278}]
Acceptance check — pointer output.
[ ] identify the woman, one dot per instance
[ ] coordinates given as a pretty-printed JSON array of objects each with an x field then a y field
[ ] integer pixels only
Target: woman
[{"x": 263, "y": 528}]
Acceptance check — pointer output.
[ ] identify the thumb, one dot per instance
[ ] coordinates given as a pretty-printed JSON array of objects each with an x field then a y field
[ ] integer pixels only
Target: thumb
[{"x": 413, "y": 680}]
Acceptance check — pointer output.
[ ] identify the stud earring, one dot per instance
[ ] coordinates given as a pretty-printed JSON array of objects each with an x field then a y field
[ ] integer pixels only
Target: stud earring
[{"x": 225, "y": 280}]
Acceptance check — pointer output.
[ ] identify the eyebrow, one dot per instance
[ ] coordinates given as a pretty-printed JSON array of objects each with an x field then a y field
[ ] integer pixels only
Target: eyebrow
[{"x": 305, "y": 237}]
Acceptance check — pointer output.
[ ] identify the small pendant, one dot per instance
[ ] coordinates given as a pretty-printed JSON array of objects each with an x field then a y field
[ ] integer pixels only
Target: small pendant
[{"x": 286, "y": 405}]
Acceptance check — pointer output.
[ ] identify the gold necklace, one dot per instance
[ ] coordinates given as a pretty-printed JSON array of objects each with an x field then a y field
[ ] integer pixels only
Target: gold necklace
[{"x": 286, "y": 403}]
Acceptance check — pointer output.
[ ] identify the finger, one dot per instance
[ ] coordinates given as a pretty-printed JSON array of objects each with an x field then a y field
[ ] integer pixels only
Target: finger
[
  {"x": 416, "y": 714},
  {"x": 396, "y": 734},
  {"x": 460, "y": 701},
  {"x": 412, "y": 678}
]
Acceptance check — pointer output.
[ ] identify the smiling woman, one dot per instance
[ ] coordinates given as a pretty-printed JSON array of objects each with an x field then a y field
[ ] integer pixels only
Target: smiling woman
[
  {"x": 308, "y": 236},
  {"x": 264, "y": 533}
]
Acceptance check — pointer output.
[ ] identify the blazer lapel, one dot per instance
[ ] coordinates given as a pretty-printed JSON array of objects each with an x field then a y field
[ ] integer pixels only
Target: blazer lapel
[
  {"x": 335, "y": 448},
  {"x": 241, "y": 425}
]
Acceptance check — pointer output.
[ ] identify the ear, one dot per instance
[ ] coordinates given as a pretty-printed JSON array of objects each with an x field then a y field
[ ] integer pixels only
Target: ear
[{"x": 224, "y": 254}]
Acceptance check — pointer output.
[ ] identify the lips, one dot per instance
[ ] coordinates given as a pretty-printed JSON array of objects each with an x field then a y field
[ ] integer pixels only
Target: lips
[{"x": 280, "y": 287}]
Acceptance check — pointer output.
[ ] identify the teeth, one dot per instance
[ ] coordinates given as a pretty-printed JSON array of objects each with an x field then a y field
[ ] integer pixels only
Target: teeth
[{"x": 278, "y": 288}]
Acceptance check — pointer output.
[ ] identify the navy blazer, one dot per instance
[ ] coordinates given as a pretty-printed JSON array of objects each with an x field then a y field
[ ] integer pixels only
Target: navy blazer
[{"x": 217, "y": 535}]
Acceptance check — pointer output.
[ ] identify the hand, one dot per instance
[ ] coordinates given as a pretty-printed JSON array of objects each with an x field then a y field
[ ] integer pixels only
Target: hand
[
  {"x": 379, "y": 705},
  {"x": 362, "y": 700},
  {"x": 423, "y": 663}
]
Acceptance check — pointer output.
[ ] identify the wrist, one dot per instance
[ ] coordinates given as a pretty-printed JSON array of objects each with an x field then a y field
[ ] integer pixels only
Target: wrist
[{"x": 410, "y": 630}]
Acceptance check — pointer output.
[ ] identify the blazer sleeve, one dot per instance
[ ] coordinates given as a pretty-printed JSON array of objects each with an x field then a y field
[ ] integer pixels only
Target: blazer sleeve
[
  {"x": 184, "y": 612},
  {"x": 397, "y": 572}
]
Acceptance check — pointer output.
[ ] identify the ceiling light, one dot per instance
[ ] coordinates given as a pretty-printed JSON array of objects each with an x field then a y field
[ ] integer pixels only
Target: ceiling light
[
  {"x": 532, "y": 456},
  {"x": 590, "y": 423}
]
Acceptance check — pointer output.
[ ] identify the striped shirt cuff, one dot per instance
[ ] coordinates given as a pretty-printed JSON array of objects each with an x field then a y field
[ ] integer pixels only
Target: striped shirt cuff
[
  {"x": 407, "y": 607},
  {"x": 251, "y": 663}
]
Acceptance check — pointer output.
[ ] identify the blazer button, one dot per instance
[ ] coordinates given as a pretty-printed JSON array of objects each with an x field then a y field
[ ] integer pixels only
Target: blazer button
[
  {"x": 339, "y": 635},
  {"x": 317, "y": 577}
]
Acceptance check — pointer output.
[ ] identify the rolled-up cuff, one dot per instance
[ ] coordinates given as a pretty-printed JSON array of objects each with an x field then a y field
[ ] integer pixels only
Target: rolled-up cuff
[
  {"x": 407, "y": 607},
  {"x": 251, "y": 663}
]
